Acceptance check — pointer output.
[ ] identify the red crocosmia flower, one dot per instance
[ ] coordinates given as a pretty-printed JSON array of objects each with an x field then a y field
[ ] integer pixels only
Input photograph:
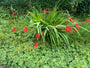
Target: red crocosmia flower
[
  {"x": 37, "y": 35},
  {"x": 12, "y": 14},
  {"x": 11, "y": 21},
  {"x": 35, "y": 44},
  {"x": 54, "y": 26},
  {"x": 45, "y": 10},
  {"x": 82, "y": 22},
  {"x": 42, "y": 16},
  {"x": 78, "y": 28},
  {"x": 72, "y": 20},
  {"x": 13, "y": 29},
  {"x": 68, "y": 29},
  {"x": 74, "y": 29},
  {"x": 25, "y": 14},
  {"x": 25, "y": 29},
  {"x": 42, "y": 33},
  {"x": 29, "y": 4},
  {"x": 77, "y": 25},
  {"x": 88, "y": 20}
]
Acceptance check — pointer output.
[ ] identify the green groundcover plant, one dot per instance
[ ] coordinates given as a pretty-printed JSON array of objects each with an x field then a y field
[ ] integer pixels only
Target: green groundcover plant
[{"x": 24, "y": 56}]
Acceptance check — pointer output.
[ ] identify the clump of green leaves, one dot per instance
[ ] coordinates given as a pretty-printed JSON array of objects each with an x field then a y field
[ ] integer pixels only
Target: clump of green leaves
[{"x": 51, "y": 24}]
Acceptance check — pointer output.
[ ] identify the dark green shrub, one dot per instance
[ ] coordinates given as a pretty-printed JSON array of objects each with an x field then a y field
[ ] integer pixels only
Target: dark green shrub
[
  {"x": 83, "y": 8},
  {"x": 21, "y": 5}
]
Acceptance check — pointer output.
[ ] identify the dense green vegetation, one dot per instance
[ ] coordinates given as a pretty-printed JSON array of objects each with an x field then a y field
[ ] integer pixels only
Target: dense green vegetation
[{"x": 44, "y": 34}]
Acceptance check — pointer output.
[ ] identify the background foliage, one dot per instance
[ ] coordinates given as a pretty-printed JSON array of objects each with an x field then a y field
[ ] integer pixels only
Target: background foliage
[
  {"x": 83, "y": 8},
  {"x": 80, "y": 7}
]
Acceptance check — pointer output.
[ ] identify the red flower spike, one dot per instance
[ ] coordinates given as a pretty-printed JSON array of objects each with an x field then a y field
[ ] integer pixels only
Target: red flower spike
[
  {"x": 74, "y": 29},
  {"x": 35, "y": 45},
  {"x": 82, "y": 22},
  {"x": 37, "y": 35},
  {"x": 13, "y": 29},
  {"x": 25, "y": 29},
  {"x": 45, "y": 10},
  {"x": 78, "y": 28},
  {"x": 25, "y": 14},
  {"x": 68, "y": 29},
  {"x": 72, "y": 20},
  {"x": 42, "y": 33},
  {"x": 54, "y": 26},
  {"x": 11, "y": 21},
  {"x": 29, "y": 4},
  {"x": 12, "y": 14},
  {"x": 77, "y": 25},
  {"x": 88, "y": 20},
  {"x": 42, "y": 16}
]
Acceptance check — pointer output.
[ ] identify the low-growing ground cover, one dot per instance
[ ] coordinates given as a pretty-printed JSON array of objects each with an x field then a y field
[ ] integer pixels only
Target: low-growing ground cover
[
  {"x": 24, "y": 55},
  {"x": 24, "y": 45}
]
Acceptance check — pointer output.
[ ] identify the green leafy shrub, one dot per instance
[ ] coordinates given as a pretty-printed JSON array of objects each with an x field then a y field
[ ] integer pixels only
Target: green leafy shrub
[
  {"x": 51, "y": 25},
  {"x": 22, "y": 5},
  {"x": 83, "y": 8}
]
